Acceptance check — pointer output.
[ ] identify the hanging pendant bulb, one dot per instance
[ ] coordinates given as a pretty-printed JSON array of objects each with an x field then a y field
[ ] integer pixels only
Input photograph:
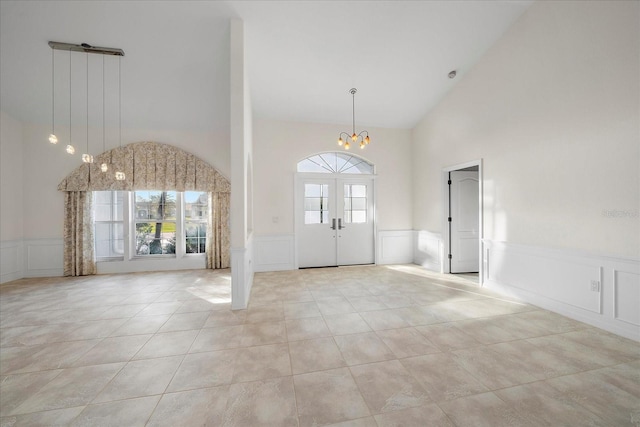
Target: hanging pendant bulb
[
  {"x": 86, "y": 157},
  {"x": 120, "y": 176},
  {"x": 70, "y": 149},
  {"x": 367, "y": 140},
  {"x": 53, "y": 139},
  {"x": 362, "y": 144},
  {"x": 346, "y": 145},
  {"x": 104, "y": 167},
  {"x": 340, "y": 141}
]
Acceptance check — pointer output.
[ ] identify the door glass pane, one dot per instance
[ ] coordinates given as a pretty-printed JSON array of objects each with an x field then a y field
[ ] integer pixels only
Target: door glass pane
[
  {"x": 355, "y": 203},
  {"x": 358, "y": 217},
  {"x": 316, "y": 203}
]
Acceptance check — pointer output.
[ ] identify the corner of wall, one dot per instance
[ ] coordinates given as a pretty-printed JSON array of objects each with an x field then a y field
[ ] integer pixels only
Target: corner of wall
[{"x": 428, "y": 249}]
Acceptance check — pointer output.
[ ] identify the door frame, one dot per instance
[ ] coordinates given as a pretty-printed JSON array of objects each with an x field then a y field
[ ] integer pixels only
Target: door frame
[
  {"x": 298, "y": 178},
  {"x": 444, "y": 262}
]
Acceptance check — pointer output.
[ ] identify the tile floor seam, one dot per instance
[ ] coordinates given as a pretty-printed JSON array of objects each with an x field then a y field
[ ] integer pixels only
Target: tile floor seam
[{"x": 124, "y": 365}]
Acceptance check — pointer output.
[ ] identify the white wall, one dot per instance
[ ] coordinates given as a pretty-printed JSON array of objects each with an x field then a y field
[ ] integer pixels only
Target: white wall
[
  {"x": 553, "y": 109},
  {"x": 11, "y": 199},
  {"x": 11, "y": 170},
  {"x": 279, "y": 145}
]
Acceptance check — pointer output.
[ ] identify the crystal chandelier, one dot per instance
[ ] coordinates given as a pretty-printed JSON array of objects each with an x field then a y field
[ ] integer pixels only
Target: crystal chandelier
[{"x": 362, "y": 138}]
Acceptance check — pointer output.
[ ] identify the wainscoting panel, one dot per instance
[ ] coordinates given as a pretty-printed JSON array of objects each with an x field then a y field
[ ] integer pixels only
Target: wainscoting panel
[
  {"x": 11, "y": 260},
  {"x": 428, "y": 249},
  {"x": 598, "y": 290},
  {"x": 626, "y": 297},
  {"x": 395, "y": 247},
  {"x": 274, "y": 252},
  {"x": 561, "y": 279},
  {"x": 43, "y": 257}
]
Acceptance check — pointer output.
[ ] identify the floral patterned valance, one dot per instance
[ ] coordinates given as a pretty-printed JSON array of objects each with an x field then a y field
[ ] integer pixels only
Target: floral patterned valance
[{"x": 147, "y": 166}]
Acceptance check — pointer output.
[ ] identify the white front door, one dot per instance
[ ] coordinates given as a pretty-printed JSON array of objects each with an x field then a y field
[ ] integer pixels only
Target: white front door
[
  {"x": 335, "y": 221},
  {"x": 464, "y": 216}
]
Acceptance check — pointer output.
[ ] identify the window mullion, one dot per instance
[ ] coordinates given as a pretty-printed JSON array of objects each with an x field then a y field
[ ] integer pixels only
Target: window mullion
[
  {"x": 128, "y": 224},
  {"x": 180, "y": 235}
]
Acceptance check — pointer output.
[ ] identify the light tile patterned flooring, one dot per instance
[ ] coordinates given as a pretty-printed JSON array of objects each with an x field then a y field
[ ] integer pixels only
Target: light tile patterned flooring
[{"x": 356, "y": 346}]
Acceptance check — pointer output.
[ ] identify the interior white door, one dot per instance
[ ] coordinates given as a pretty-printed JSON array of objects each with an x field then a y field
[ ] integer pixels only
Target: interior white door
[
  {"x": 335, "y": 222},
  {"x": 464, "y": 214}
]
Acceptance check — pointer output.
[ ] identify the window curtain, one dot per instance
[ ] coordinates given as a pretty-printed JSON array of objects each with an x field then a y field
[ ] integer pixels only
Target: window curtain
[
  {"x": 79, "y": 257},
  {"x": 153, "y": 166},
  {"x": 218, "y": 242}
]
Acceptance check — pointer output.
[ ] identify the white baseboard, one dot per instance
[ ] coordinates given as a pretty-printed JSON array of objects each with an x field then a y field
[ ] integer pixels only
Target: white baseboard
[
  {"x": 394, "y": 247},
  {"x": 274, "y": 252},
  {"x": 599, "y": 290},
  {"x": 428, "y": 250}
]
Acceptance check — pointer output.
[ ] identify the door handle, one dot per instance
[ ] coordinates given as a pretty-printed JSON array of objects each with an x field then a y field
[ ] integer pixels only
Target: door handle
[
  {"x": 333, "y": 224},
  {"x": 340, "y": 226}
]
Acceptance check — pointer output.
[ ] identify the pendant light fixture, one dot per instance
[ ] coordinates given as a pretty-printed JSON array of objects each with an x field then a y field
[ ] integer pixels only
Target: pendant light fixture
[
  {"x": 52, "y": 136},
  {"x": 86, "y": 157},
  {"x": 362, "y": 138},
  {"x": 120, "y": 176},
  {"x": 86, "y": 48}
]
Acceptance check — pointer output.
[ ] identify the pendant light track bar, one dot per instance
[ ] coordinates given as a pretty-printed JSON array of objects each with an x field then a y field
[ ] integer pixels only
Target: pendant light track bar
[{"x": 86, "y": 48}]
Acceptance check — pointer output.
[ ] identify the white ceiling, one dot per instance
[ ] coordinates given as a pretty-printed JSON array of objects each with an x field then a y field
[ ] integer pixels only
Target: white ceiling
[{"x": 303, "y": 57}]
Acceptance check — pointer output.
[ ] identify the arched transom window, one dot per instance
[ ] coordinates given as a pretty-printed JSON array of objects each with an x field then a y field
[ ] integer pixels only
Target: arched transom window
[{"x": 335, "y": 162}]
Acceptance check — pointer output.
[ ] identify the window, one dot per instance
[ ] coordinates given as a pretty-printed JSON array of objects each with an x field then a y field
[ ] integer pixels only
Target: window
[
  {"x": 316, "y": 203},
  {"x": 355, "y": 203},
  {"x": 160, "y": 224},
  {"x": 155, "y": 222},
  {"x": 335, "y": 162},
  {"x": 196, "y": 206},
  {"x": 109, "y": 224}
]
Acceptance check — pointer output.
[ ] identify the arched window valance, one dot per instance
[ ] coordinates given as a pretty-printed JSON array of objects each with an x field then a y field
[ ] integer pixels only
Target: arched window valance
[{"x": 147, "y": 166}]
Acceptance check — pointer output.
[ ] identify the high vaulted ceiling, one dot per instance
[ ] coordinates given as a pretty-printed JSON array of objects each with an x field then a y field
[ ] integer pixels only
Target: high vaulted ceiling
[{"x": 302, "y": 57}]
